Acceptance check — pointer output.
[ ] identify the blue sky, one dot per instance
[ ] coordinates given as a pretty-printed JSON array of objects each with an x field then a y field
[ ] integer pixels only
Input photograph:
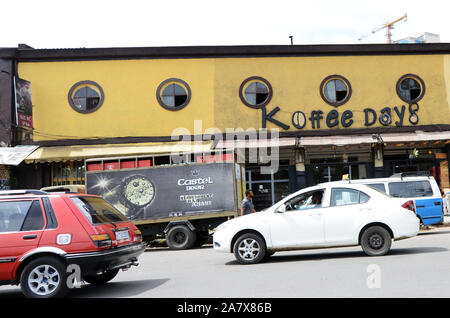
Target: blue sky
[{"x": 99, "y": 23}]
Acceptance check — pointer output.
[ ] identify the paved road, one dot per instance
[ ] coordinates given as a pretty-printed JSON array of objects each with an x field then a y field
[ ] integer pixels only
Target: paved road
[{"x": 417, "y": 267}]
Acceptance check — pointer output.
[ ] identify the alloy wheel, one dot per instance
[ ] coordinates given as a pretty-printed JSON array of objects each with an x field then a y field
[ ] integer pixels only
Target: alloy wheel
[
  {"x": 44, "y": 280},
  {"x": 249, "y": 249}
]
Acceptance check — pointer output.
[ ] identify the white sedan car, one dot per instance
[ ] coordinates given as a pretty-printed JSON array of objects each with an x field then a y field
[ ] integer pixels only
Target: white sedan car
[{"x": 334, "y": 214}]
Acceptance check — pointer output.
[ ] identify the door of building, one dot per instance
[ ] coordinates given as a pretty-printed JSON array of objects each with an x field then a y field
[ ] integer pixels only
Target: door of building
[
  {"x": 267, "y": 188},
  {"x": 333, "y": 172}
]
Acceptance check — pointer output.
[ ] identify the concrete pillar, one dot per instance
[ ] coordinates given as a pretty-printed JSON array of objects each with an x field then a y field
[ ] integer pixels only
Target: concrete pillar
[
  {"x": 300, "y": 170},
  {"x": 378, "y": 160}
]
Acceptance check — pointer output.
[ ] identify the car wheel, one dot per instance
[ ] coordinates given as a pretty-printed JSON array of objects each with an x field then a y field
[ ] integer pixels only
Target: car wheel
[
  {"x": 102, "y": 278},
  {"x": 44, "y": 277},
  {"x": 376, "y": 241},
  {"x": 180, "y": 238},
  {"x": 249, "y": 249}
]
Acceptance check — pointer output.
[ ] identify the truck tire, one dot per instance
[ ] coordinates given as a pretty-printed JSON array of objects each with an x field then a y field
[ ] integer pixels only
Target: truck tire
[
  {"x": 102, "y": 278},
  {"x": 376, "y": 241},
  {"x": 180, "y": 237},
  {"x": 44, "y": 277}
]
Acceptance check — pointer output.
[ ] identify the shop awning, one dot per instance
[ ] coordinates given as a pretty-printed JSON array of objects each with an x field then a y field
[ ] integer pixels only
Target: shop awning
[
  {"x": 343, "y": 140},
  {"x": 257, "y": 143},
  {"x": 15, "y": 155},
  {"x": 72, "y": 153}
]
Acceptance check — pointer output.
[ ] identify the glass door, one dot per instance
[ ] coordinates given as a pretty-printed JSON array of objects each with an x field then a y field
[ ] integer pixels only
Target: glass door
[{"x": 267, "y": 188}]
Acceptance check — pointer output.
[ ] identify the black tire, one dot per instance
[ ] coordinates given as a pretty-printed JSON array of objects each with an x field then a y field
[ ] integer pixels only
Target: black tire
[
  {"x": 249, "y": 256},
  {"x": 47, "y": 266},
  {"x": 102, "y": 278},
  {"x": 376, "y": 241},
  {"x": 180, "y": 237}
]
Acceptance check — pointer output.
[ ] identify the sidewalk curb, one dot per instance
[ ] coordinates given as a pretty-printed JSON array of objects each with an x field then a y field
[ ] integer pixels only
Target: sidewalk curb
[{"x": 439, "y": 227}]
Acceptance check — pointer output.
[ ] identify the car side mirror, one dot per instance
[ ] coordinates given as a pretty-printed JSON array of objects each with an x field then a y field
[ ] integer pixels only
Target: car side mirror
[{"x": 281, "y": 209}]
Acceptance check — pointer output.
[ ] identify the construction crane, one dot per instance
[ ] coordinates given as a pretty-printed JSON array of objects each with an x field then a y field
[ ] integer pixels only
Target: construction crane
[{"x": 388, "y": 26}]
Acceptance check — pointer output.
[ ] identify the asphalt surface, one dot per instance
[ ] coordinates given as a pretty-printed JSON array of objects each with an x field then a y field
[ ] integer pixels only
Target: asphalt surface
[{"x": 416, "y": 267}]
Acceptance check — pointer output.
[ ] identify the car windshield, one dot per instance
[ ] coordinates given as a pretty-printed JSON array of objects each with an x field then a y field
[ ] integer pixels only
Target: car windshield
[{"x": 97, "y": 210}]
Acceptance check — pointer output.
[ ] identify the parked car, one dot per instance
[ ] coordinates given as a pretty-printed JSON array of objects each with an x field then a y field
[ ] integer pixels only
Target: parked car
[
  {"x": 423, "y": 190},
  {"x": 42, "y": 233},
  {"x": 326, "y": 215}
]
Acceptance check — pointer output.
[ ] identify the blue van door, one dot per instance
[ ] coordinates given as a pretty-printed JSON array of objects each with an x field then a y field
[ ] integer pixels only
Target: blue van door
[{"x": 429, "y": 210}]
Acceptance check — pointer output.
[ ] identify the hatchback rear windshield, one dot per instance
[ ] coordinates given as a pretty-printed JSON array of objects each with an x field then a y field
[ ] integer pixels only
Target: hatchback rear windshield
[
  {"x": 410, "y": 189},
  {"x": 97, "y": 210}
]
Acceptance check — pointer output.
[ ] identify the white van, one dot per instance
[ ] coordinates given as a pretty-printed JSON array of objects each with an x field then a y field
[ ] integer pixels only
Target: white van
[{"x": 423, "y": 190}]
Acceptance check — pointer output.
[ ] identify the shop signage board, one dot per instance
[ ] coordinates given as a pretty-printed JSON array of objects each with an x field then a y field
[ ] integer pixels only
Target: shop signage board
[{"x": 24, "y": 106}]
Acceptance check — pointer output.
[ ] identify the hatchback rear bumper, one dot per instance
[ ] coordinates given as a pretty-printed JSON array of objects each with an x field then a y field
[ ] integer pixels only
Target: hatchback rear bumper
[{"x": 96, "y": 262}]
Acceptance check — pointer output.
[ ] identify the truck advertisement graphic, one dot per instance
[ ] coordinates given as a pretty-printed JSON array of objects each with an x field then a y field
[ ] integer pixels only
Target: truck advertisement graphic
[{"x": 166, "y": 192}]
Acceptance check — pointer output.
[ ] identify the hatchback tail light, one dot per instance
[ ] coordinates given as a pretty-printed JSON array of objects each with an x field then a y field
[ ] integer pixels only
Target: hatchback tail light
[
  {"x": 101, "y": 240},
  {"x": 409, "y": 205},
  {"x": 138, "y": 234}
]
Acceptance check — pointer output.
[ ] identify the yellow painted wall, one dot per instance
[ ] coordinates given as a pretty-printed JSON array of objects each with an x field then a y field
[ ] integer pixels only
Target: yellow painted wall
[{"x": 131, "y": 109}]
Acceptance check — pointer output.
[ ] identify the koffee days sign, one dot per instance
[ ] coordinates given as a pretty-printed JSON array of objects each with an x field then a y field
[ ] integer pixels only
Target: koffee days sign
[{"x": 397, "y": 115}]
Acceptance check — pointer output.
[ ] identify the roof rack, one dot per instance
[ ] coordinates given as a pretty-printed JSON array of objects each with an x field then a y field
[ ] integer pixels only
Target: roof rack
[
  {"x": 411, "y": 174},
  {"x": 20, "y": 192}
]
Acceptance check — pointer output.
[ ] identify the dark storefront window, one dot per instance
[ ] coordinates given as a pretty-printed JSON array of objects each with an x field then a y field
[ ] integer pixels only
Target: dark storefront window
[
  {"x": 267, "y": 188},
  {"x": 68, "y": 173},
  {"x": 327, "y": 170},
  {"x": 425, "y": 162}
]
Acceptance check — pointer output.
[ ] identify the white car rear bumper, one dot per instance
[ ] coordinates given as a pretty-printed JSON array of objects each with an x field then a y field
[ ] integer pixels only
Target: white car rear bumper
[{"x": 409, "y": 227}]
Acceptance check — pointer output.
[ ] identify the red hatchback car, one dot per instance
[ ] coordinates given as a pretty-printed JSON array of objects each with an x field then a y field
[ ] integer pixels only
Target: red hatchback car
[{"x": 50, "y": 240}]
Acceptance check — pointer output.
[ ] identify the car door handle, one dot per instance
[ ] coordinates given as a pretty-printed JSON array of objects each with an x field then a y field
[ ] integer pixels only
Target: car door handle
[
  {"x": 314, "y": 214},
  {"x": 29, "y": 237}
]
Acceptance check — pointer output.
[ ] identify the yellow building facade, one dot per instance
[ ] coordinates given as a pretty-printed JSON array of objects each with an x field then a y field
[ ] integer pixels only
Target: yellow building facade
[
  {"x": 358, "y": 110},
  {"x": 130, "y": 106}
]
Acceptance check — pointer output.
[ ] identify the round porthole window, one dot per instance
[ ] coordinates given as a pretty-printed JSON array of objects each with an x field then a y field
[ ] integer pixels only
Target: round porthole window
[
  {"x": 255, "y": 92},
  {"x": 173, "y": 94},
  {"x": 410, "y": 88},
  {"x": 86, "y": 97},
  {"x": 335, "y": 90}
]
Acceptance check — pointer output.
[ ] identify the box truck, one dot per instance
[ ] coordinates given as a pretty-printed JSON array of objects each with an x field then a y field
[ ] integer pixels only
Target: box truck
[{"x": 181, "y": 198}]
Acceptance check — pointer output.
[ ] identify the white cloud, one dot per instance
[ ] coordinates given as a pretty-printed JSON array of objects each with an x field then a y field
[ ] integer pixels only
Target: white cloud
[{"x": 102, "y": 23}]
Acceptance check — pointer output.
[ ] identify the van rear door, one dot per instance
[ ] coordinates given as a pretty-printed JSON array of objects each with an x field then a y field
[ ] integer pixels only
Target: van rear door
[
  {"x": 428, "y": 204},
  {"x": 429, "y": 210}
]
